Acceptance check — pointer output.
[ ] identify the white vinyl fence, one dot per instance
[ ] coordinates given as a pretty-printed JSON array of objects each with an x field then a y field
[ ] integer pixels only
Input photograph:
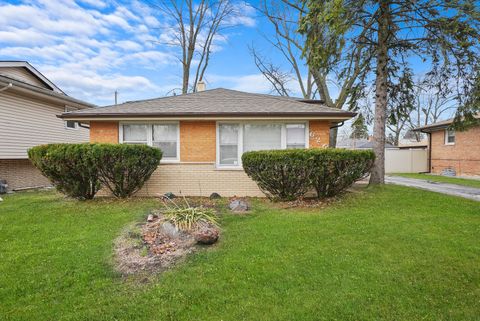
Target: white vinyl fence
[{"x": 406, "y": 160}]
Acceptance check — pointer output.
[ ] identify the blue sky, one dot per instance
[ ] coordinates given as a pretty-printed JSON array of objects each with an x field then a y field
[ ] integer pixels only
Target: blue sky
[{"x": 91, "y": 48}]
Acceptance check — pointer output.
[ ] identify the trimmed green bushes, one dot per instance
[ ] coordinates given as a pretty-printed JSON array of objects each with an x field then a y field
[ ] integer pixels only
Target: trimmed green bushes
[
  {"x": 280, "y": 174},
  {"x": 125, "y": 168},
  {"x": 70, "y": 167},
  {"x": 290, "y": 174},
  {"x": 78, "y": 169}
]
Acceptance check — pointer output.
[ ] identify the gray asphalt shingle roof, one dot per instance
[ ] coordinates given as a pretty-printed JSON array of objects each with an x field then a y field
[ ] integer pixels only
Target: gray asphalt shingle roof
[{"x": 214, "y": 102}]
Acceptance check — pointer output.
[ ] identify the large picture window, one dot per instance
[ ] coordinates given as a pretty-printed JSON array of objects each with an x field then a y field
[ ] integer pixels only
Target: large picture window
[
  {"x": 236, "y": 138},
  {"x": 164, "y": 136}
]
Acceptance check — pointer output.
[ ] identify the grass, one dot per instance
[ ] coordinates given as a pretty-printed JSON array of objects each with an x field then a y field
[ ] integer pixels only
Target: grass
[
  {"x": 443, "y": 179},
  {"x": 390, "y": 253}
]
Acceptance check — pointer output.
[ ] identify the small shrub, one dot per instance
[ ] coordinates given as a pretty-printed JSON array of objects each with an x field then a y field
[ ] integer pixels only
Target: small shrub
[
  {"x": 186, "y": 217},
  {"x": 334, "y": 170},
  {"x": 69, "y": 166},
  {"x": 289, "y": 174},
  {"x": 280, "y": 174},
  {"x": 124, "y": 168}
]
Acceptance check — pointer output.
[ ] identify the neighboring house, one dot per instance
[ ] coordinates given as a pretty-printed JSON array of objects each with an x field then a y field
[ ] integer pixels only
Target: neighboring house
[
  {"x": 29, "y": 103},
  {"x": 350, "y": 143},
  {"x": 203, "y": 135},
  {"x": 453, "y": 151}
]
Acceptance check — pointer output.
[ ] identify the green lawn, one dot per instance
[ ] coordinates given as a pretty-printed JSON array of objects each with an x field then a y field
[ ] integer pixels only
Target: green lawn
[
  {"x": 389, "y": 253},
  {"x": 443, "y": 179}
]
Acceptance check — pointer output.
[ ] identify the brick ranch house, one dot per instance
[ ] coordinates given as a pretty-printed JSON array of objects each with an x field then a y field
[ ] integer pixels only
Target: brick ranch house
[
  {"x": 29, "y": 104},
  {"x": 203, "y": 135},
  {"x": 453, "y": 150}
]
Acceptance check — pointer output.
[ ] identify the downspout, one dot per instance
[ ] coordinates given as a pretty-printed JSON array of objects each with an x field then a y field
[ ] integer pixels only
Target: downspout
[
  {"x": 340, "y": 124},
  {"x": 429, "y": 153},
  {"x": 10, "y": 85}
]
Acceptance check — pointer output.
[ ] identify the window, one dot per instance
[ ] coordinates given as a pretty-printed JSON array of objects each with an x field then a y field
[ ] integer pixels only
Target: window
[
  {"x": 70, "y": 124},
  {"x": 135, "y": 134},
  {"x": 164, "y": 136},
  {"x": 236, "y": 138},
  {"x": 228, "y": 144},
  {"x": 449, "y": 137},
  {"x": 295, "y": 135},
  {"x": 261, "y": 137}
]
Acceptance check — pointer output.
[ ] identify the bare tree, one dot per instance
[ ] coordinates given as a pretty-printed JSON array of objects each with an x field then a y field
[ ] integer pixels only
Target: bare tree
[
  {"x": 285, "y": 17},
  {"x": 193, "y": 28},
  {"x": 431, "y": 105}
]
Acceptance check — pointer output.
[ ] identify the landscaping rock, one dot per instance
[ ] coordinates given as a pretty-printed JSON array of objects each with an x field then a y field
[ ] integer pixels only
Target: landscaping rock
[
  {"x": 206, "y": 235},
  {"x": 215, "y": 196},
  {"x": 170, "y": 230},
  {"x": 239, "y": 205},
  {"x": 150, "y": 218},
  {"x": 1, "y": 199},
  {"x": 169, "y": 195}
]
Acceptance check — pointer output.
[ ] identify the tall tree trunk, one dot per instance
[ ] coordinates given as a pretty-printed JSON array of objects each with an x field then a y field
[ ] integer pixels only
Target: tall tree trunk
[
  {"x": 333, "y": 137},
  {"x": 378, "y": 170}
]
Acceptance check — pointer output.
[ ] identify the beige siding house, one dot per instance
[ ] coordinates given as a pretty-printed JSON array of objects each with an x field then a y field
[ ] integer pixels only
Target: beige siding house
[{"x": 29, "y": 103}]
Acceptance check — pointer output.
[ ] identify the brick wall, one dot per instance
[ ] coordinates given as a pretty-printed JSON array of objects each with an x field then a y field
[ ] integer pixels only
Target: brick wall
[
  {"x": 20, "y": 173},
  {"x": 197, "y": 141},
  {"x": 198, "y": 146},
  {"x": 104, "y": 132},
  {"x": 199, "y": 180},
  {"x": 464, "y": 156},
  {"x": 319, "y": 133}
]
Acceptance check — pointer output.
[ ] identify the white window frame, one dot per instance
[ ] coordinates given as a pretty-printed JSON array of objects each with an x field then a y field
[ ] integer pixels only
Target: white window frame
[
  {"x": 241, "y": 123},
  {"x": 150, "y": 136},
  {"x": 446, "y": 137},
  {"x": 67, "y": 109}
]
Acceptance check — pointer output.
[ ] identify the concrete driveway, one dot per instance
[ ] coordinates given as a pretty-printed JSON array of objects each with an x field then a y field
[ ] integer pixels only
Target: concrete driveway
[{"x": 445, "y": 188}]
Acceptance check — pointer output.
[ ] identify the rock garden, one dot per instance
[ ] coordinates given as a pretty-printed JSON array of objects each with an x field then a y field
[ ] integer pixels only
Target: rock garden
[{"x": 168, "y": 234}]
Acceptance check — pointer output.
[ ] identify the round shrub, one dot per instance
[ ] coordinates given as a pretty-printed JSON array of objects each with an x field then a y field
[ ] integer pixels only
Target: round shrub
[
  {"x": 334, "y": 170},
  {"x": 124, "y": 168},
  {"x": 70, "y": 167},
  {"x": 280, "y": 174},
  {"x": 290, "y": 174}
]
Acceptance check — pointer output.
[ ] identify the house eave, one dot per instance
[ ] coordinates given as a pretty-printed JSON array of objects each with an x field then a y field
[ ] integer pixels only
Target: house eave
[{"x": 334, "y": 117}]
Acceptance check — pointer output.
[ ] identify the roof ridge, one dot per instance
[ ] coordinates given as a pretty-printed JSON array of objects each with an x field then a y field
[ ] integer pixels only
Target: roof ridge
[{"x": 296, "y": 100}]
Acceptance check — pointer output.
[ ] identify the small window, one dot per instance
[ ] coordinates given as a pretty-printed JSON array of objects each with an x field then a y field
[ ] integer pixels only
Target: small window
[
  {"x": 135, "y": 134},
  {"x": 165, "y": 136},
  {"x": 449, "y": 137},
  {"x": 70, "y": 124},
  {"x": 295, "y": 135},
  {"x": 228, "y": 144}
]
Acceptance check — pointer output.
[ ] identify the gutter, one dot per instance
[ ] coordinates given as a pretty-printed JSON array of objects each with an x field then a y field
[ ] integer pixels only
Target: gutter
[
  {"x": 10, "y": 85},
  {"x": 52, "y": 95},
  {"x": 85, "y": 115},
  {"x": 340, "y": 124}
]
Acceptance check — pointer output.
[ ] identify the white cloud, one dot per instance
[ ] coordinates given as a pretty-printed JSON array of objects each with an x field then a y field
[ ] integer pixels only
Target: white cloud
[
  {"x": 91, "y": 48},
  {"x": 254, "y": 83}
]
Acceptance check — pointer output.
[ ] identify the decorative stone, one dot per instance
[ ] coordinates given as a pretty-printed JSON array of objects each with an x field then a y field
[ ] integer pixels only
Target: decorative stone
[
  {"x": 1, "y": 199},
  {"x": 170, "y": 230},
  {"x": 169, "y": 195},
  {"x": 215, "y": 196},
  {"x": 206, "y": 235},
  {"x": 150, "y": 218},
  {"x": 239, "y": 205}
]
